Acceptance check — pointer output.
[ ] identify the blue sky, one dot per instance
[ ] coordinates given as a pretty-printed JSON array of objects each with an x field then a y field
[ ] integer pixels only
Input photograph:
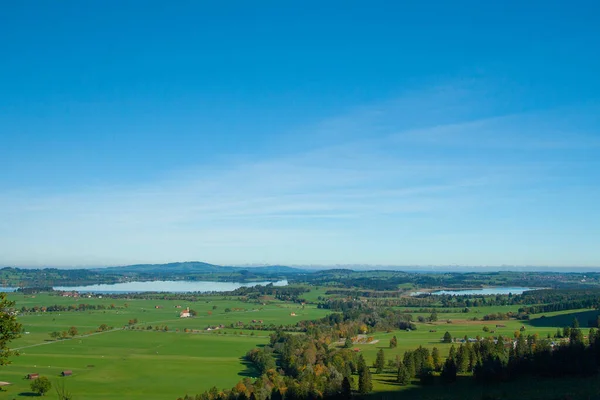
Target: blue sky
[{"x": 379, "y": 133}]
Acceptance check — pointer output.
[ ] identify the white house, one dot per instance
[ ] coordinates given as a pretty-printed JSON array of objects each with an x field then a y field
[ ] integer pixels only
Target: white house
[{"x": 185, "y": 313}]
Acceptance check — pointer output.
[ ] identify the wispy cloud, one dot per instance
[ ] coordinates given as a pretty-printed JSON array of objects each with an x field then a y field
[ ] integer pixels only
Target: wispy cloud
[{"x": 369, "y": 174}]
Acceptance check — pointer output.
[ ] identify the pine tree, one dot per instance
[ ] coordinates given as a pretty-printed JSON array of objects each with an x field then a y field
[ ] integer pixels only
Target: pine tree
[
  {"x": 379, "y": 362},
  {"x": 361, "y": 364},
  {"x": 403, "y": 377},
  {"x": 436, "y": 358},
  {"x": 393, "y": 342},
  {"x": 409, "y": 363},
  {"x": 447, "y": 337},
  {"x": 364, "y": 381},
  {"x": 452, "y": 354},
  {"x": 575, "y": 336},
  {"x": 462, "y": 359},
  {"x": 449, "y": 371}
]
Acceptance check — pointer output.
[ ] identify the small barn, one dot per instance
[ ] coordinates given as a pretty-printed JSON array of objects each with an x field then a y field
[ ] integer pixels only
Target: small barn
[
  {"x": 33, "y": 376},
  {"x": 67, "y": 372}
]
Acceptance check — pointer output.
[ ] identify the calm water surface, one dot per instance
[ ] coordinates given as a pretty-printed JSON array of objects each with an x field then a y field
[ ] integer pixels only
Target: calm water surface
[
  {"x": 166, "y": 286},
  {"x": 485, "y": 291}
]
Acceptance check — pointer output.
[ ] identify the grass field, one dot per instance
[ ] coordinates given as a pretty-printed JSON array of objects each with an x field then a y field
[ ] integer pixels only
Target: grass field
[{"x": 149, "y": 364}]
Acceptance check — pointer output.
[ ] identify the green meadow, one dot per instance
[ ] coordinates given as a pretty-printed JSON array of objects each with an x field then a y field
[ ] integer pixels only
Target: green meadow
[
  {"x": 144, "y": 363},
  {"x": 141, "y": 363}
]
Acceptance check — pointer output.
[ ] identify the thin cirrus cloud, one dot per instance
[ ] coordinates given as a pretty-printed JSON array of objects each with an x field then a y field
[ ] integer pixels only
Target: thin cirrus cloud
[{"x": 379, "y": 186}]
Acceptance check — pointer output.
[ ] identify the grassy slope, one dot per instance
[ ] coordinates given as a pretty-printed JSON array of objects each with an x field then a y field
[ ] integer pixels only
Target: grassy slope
[{"x": 149, "y": 364}]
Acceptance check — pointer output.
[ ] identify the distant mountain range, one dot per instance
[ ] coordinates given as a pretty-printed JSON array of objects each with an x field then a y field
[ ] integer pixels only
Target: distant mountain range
[{"x": 198, "y": 267}]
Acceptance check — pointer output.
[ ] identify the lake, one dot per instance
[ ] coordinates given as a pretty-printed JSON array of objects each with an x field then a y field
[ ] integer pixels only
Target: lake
[
  {"x": 484, "y": 291},
  {"x": 166, "y": 286}
]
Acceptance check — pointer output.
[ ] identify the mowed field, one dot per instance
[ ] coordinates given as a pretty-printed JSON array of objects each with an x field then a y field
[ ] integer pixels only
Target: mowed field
[
  {"x": 150, "y": 364},
  {"x": 144, "y": 364}
]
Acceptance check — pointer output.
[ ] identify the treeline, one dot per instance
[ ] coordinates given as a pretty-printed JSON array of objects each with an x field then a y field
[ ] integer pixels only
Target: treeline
[
  {"x": 35, "y": 290},
  {"x": 533, "y": 301},
  {"x": 367, "y": 293},
  {"x": 48, "y": 277},
  {"x": 71, "y": 307},
  {"x": 379, "y": 281},
  {"x": 337, "y": 304},
  {"x": 284, "y": 293},
  {"x": 570, "y": 305}
]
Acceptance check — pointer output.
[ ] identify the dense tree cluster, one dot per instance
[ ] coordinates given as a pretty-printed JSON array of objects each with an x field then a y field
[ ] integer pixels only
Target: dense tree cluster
[
  {"x": 501, "y": 359},
  {"x": 296, "y": 366}
]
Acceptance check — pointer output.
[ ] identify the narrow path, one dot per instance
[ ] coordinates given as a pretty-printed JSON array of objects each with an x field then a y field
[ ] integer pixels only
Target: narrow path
[
  {"x": 99, "y": 333},
  {"x": 59, "y": 341}
]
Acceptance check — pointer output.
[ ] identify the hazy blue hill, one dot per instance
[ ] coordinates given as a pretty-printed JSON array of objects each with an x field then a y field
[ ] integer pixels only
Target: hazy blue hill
[
  {"x": 197, "y": 267},
  {"x": 276, "y": 269}
]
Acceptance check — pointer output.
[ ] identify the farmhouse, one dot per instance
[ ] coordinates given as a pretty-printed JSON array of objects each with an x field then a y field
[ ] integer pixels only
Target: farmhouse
[
  {"x": 33, "y": 376},
  {"x": 185, "y": 313},
  {"x": 67, "y": 372}
]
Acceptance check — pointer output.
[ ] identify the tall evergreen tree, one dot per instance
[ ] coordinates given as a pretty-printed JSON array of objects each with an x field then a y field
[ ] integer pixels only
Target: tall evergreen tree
[
  {"x": 403, "y": 376},
  {"x": 576, "y": 337},
  {"x": 365, "y": 385},
  {"x": 462, "y": 359},
  {"x": 452, "y": 353},
  {"x": 380, "y": 362},
  {"x": 361, "y": 364},
  {"x": 449, "y": 371},
  {"x": 409, "y": 363},
  {"x": 436, "y": 358}
]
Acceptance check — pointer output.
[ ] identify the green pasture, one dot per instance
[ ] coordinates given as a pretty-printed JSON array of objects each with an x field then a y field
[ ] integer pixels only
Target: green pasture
[
  {"x": 135, "y": 364},
  {"x": 150, "y": 364},
  {"x": 131, "y": 363}
]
